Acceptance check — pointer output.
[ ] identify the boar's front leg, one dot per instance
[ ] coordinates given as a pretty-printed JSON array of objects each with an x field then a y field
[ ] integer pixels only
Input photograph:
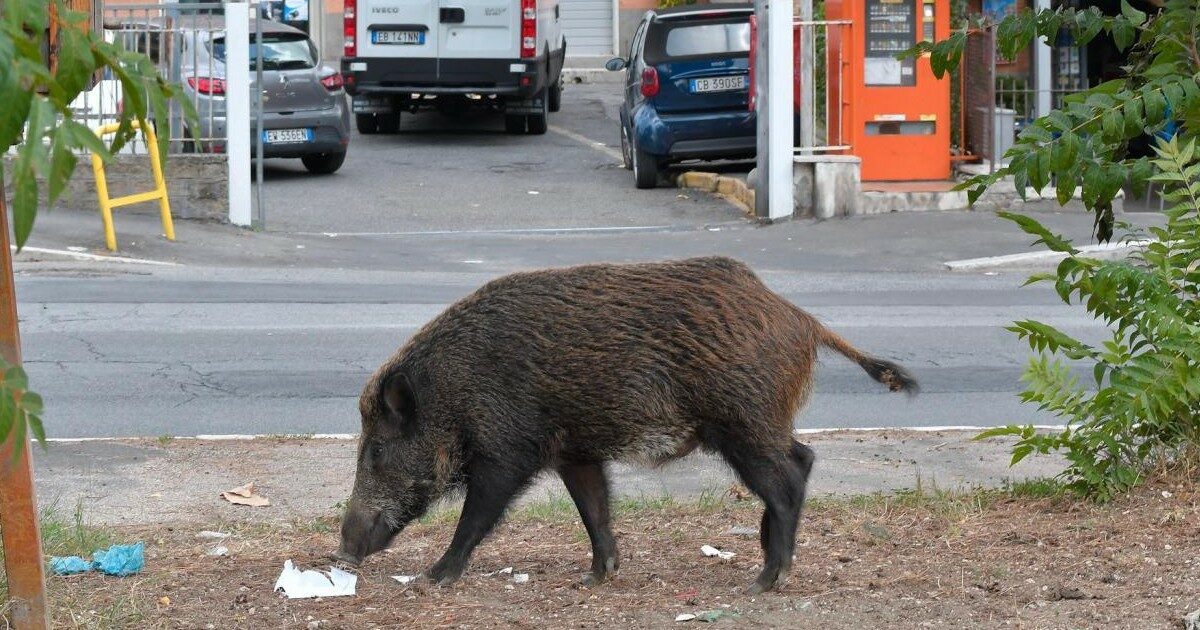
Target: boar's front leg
[
  {"x": 588, "y": 486},
  {"x": 491, "y": 486}
]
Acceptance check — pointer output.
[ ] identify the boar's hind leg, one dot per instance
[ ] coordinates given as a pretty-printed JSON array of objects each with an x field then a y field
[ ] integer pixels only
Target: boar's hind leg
[
  {"x": 779, "y": 479},
  {"x": 588, "y": 486},
  {"x": 490, "y": 488}
]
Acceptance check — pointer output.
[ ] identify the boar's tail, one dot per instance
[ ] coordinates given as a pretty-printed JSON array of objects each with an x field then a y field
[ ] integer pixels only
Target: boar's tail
[{"x": 895, "y": 377}]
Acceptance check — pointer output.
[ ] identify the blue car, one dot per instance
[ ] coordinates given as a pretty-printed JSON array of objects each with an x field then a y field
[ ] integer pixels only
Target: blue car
[{"x": 686, "y": 89}]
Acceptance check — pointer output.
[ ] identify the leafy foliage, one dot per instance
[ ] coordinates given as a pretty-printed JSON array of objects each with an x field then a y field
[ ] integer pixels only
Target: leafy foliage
[
  {"x": 1145, "y": 404},
  {"x": 36, "y": 114},
  {"x": 1085, "y": 144}
]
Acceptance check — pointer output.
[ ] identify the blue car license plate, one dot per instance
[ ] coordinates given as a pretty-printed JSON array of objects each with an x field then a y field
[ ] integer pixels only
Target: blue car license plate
[
  {"x": 718, "y": 84},
  {"x": 286, "y": 136}
]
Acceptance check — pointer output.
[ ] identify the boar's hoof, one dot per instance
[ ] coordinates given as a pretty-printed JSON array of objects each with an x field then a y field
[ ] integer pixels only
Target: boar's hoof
[
  {"x": 444, "y": 575},
  {"x": 592, "y": 579}
]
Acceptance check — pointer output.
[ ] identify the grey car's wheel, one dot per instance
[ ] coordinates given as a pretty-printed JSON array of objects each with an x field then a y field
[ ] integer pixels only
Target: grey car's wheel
[
  {"x": 555, "y": 95},
  {"x": 538, "y": 122},
  {"x": 514, "y": 123},
  {"x": 324, "y": 163},
  {"x": 366, "y": 123},
  {"x": 389, "y": 123},
  {"x": 626, "y": 158},
  {"x": 645, "y": 167}
]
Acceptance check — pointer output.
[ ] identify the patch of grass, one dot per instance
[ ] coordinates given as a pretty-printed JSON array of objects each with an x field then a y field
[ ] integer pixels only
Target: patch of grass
[
  {"x": 279, "y": 437},
  {"x": 165, "y": 439},
  {"x": 950, "y": 504}
]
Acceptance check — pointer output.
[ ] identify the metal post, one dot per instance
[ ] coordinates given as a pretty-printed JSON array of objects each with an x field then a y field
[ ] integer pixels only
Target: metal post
[
  {"x": 260, "y": 219},
  {"x": 779, "y": 91},
  {"x": 237, "y": 108},
  {"x": 808, "y": 51},
  {"x": 762, "y": 191},
  {"x": 1041, "y": 55},
  {"x": 23, "y": 563}
]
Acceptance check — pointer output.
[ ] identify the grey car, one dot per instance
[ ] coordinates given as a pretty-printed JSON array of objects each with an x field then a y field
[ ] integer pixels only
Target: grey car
[{"x": 305, "y": 111}]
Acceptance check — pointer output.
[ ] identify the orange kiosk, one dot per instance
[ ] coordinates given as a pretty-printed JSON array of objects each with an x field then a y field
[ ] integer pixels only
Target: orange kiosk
[{"x": 894, "y": 114}]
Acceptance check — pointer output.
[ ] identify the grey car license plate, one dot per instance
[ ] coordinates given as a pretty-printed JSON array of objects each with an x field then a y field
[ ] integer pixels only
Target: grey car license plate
[
  {"x": 718, "y": 84},
  {"x": 398, "y": 37},
  {"x": 286, "y": 136}
]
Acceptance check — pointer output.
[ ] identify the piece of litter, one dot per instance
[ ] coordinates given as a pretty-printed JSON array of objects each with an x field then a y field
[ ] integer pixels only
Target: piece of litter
[
  {"x": 245, "y": 495},
  {"x": 298, "y": 584},
  {"x": 219, "y": 550},
  {"x": 405, "y": 579},
  {"x": 711, "y": 552},
  {"x": 742, "y": 530},
  {"x": 520, "y": 578},
  {"x": 685, "y": 617},
  {"x": 164, "y": 600},
  {"x": 1166, "y": 494},
  {"x": 534, "y": 192},
  {"x": 119, "y": 560},
  {"x": 69, "y": 565},
  {"x": 504, "y": 571},
  {"x": 710, "y": 616},
  {"x": 209, "y": 535}
]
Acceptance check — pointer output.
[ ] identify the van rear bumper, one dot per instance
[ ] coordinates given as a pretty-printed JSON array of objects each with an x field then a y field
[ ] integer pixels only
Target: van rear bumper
[{"x": 501, "y": 77}]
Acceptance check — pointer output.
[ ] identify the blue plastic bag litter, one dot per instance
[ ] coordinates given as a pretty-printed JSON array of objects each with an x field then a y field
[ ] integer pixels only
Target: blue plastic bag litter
[
  {"x": 69, "y": 565},
  {"x": 119, "y": 560}
]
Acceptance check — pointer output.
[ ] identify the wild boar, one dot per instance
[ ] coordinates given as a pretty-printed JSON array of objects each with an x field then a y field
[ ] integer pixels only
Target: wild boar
[{"x": 568, "y": 369}]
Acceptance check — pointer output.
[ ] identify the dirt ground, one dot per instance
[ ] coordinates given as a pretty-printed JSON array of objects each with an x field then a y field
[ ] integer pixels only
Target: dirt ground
[{"x": 982, "y": 559}]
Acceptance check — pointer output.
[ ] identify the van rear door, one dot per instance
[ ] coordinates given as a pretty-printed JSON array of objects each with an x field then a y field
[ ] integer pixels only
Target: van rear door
[
  {"x": 400, "y": 29},
  {"x": 476, "y": 30}
]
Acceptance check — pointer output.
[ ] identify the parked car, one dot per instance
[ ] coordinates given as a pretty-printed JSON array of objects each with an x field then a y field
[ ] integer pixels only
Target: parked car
[
  {"x": 305, "y": 113},
  {"x": 686, "y": 89},
  {"x": 401, "y": 55}
]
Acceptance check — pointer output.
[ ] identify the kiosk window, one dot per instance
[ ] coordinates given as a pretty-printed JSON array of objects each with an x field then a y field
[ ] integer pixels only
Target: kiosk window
[{"x": 891, "y": 29}]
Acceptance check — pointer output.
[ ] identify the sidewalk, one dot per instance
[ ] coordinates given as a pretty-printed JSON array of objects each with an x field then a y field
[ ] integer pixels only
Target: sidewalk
[{"x": 150, "y": 482}]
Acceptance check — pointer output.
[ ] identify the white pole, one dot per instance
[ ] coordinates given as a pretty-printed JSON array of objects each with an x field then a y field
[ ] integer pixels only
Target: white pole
[
  {"x": 1041, "y": 56},
  {"x": 237, "y": 110},
  {"x": 779, "y": 109},
  {"x": 762, "y": 62}
]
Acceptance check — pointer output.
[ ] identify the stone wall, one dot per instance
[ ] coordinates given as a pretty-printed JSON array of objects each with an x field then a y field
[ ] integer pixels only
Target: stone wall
[{"x": 197, "y": 185}]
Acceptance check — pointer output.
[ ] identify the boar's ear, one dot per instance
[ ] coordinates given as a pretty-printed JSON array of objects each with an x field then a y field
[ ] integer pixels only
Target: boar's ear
[{"x": 399, "y": 399}]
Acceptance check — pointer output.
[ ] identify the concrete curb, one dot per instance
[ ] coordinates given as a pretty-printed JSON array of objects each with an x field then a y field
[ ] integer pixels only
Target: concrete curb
[
  {"x": 1032, "y": 260},
  {"x": 732, "y": 189}
]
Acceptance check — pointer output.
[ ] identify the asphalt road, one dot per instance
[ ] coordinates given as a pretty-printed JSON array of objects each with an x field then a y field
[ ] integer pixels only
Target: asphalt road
[
  {"x": 176, "y": 355},
  {"x": 276, "y": 332}
]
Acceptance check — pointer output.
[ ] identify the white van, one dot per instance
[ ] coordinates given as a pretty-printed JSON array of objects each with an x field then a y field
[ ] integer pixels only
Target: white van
[{"x": 404, "y": 54}]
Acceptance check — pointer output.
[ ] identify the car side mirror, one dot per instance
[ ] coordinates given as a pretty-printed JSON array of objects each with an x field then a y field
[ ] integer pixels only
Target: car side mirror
[{"x": 615, "y": 64}]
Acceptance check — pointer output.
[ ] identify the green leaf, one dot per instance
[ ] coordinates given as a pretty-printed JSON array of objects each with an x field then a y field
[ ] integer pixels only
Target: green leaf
[
  {"x": 1011, "y": 429},
  {"x": 1032, "y": 226},
  {"x": 1135, "y": 17},
  {"x": 24, "y": 204},
  {"x": 1123, "y": 34},
  {"x": 62, "y": 164}
]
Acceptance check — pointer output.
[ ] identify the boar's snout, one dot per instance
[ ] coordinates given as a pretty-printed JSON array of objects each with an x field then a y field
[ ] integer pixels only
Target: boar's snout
[{"x": 364, "y": 531}]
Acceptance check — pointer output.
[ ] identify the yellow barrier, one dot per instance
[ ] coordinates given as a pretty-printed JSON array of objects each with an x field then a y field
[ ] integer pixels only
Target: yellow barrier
[{"x": 159, "y": 192}]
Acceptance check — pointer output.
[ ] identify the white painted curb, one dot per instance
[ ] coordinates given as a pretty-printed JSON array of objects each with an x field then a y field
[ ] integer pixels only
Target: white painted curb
[
  {"x": 1043, "y": 257},
  {"x": 94, "y": 257}
]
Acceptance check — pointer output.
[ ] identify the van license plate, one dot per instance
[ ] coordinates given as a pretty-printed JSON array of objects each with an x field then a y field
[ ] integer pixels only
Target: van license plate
[
  {"x": 398, "y": 37},
  {"x": 284, "y": 136},
  {"x": 718, "y": 84}
]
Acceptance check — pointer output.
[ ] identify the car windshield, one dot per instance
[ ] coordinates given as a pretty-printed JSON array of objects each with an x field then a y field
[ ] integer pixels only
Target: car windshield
[
  {"x": 707, "y": 39},
  {"x": 279, "y": 52}
]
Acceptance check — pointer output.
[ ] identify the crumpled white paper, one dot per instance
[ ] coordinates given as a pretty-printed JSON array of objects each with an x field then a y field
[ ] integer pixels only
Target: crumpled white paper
[
  {"x": 405, "y": 579},
  {"x": 300, "y": 584},
  {"x": 711, "y": 551}
]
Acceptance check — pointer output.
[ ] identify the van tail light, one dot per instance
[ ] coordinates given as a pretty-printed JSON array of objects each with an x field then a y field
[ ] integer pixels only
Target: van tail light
[
  {"x": 332, "y": 82},
  {"x": 208, "y": 85},
  {"x": 528, "y": 29},
  {"x": 350, "y": 28},
  {"x": 650, "y": 82}
]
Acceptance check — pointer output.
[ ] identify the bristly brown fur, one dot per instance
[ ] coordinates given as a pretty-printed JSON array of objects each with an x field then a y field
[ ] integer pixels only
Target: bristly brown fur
[{"x": 572, "y": 368}]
